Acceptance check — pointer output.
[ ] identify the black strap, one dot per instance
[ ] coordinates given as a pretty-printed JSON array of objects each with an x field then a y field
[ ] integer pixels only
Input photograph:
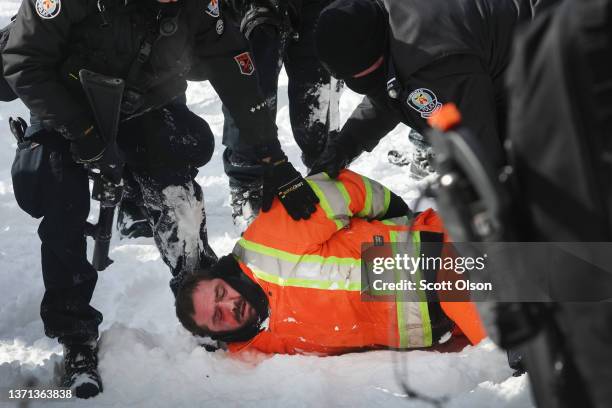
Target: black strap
[
  {"x": 136, "y": 87},
  {"x": 143, "y": 55},
  {"x": 132, "y": 95}
]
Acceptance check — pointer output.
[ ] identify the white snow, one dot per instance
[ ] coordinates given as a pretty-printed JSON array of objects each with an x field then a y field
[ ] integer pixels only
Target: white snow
[{"x": 148, "y": 360}]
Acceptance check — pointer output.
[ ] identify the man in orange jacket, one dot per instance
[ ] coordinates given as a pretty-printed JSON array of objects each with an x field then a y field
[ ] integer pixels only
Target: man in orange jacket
[{"x": 294, "y": 286}]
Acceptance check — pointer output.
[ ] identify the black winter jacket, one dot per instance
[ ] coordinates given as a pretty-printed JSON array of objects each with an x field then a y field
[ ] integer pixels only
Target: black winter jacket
[
  {"x": 442, "y": 51},
  {"x": 53, "y": 39}
]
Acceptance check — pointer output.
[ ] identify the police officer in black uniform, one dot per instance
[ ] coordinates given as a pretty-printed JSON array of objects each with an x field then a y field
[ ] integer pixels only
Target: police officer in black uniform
[
  {"x": 280, "y": 32},
  {"x": 155, "y": 46},
  {"x": 409, "y": 57}
]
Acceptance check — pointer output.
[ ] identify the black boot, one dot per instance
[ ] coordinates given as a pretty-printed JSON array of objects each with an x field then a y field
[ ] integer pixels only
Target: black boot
[
  {"x": 419, "y": 161},
  {"x": 132, "y": 221},
  {"x": 515, "y": 361},
  {"x": 81, "y": 370}
]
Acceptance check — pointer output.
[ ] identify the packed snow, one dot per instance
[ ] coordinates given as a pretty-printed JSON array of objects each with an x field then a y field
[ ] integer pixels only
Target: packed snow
[{"x": 148, "y": 360}]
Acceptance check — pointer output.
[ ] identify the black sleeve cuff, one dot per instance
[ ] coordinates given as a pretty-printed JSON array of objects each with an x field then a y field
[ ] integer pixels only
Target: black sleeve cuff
[{"x": 397, "y": 207}]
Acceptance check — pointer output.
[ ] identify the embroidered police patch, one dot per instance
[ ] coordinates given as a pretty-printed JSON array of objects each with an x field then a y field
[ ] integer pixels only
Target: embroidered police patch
[
  {"x": 48, "y": 9},
  {"x": 213, "y": 8},
  {"x": 245, "y": 63},
  {"x": 423, "y": 101},
  {"x": 220, "y": 27}
]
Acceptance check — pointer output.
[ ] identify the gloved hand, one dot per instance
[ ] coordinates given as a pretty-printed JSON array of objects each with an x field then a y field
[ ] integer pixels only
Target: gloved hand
[
  {"x": 261, "y": 17},
  {"x": 93, "y": 152},
  {"x": 338, "y": 154},
  {"x": 283, "y": 180},
  {"x": 88, "y": 148},
  {"x": 18, "y": 128}
]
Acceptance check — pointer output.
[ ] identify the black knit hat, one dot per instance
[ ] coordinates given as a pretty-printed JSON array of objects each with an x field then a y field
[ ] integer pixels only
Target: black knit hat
[{"x": 350, "y": 36}]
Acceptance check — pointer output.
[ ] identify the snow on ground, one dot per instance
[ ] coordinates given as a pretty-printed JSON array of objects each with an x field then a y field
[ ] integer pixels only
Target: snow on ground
[{"x": 147, "y": 359}]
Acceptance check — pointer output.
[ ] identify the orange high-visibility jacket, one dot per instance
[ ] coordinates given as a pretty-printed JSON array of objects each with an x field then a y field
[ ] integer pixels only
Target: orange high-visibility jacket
[{"x": 311, "y": 273}]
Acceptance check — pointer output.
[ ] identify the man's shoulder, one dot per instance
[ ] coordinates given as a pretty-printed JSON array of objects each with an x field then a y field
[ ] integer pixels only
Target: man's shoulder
[
  {"x": 425, "y": 32},
  {"x": 50, "y": 11}
]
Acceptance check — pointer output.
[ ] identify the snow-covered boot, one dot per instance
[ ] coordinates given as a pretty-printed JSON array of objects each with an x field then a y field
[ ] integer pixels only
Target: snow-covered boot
[
  {"x": 132, "y": 220},
  {"x": 419, "y": 161},
  {"x": 245, "y": 200},
  {"x": 81, "y": 370},
  {"x": 398, "y": 158}
]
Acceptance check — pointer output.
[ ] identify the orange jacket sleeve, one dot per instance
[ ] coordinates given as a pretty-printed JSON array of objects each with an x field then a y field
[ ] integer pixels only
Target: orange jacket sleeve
[{"x": 350, "y": 195}]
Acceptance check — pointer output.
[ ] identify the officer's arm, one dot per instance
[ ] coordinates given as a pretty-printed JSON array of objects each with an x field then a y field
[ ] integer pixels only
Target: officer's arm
[
  {"x": 350, "y": 195},
  {"x": 31, "y": 58},
  {"x": 481, "y": 114},
  {"x": 462, "y": 80},
  {"x": 224, "y": 60},
  {"x": 367, "y": 125}
]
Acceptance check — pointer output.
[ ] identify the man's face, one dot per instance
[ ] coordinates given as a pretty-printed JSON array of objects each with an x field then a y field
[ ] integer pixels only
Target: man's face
[{"x": 220, "y": 308}]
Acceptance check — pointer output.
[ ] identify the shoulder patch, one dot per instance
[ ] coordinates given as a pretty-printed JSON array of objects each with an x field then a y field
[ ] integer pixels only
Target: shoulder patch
[
  {"x": 213, "y": 8},
  {"x": 424, "y": 101},
  {"x": 245, "y": 63},
  {"x": 47, "y": 9}
]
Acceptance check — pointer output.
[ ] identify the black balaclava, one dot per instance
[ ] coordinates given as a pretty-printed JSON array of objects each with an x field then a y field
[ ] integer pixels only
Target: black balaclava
[
  {"x": 228, "y": 269},
  {"x": 350, "y": 36}
]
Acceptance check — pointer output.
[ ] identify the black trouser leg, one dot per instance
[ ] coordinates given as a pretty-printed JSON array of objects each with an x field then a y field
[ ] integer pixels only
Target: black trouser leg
[
  {"x": 314, "y": 96},
  {"x": 164, "y": 147},
  {"x": 68, "y": 276},
  {"x": 175, "y": 207},
  {"x": 313, "y": 101}
]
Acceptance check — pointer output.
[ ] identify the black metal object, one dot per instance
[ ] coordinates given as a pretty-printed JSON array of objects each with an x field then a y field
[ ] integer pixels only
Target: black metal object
[
  {"x": 104, "y": 95},
  {"x": 109, "y": 195},
  {"x": 478, "y": 205},
  {"x": 18, "y": 128}
]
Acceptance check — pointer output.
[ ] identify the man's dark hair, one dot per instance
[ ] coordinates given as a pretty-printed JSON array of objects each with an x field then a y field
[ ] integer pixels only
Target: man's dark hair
[{"x": 184, "y": 303}]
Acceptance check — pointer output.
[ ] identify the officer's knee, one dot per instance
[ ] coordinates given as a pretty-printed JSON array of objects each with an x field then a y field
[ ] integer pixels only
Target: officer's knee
[
  {"x": 206, "y": 140},
  {"x": 199, "y": 131}
]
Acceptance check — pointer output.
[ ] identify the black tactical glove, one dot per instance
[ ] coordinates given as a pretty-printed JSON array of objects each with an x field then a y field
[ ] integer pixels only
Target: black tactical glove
[
  {"x": 261, "y": 17},
  {"x": 283, "y": 180},
  {"x": 338, "y": 154},
  {"x": 88, "y": 148},
  {"x": 18, "y": 128},
  {"x": 91, "y": 151}
]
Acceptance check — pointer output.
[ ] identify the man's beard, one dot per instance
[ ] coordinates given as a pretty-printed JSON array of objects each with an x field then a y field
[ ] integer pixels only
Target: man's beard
[
  {"x": 239, "y": 310},
  {"x": 243, "y": 312}
]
